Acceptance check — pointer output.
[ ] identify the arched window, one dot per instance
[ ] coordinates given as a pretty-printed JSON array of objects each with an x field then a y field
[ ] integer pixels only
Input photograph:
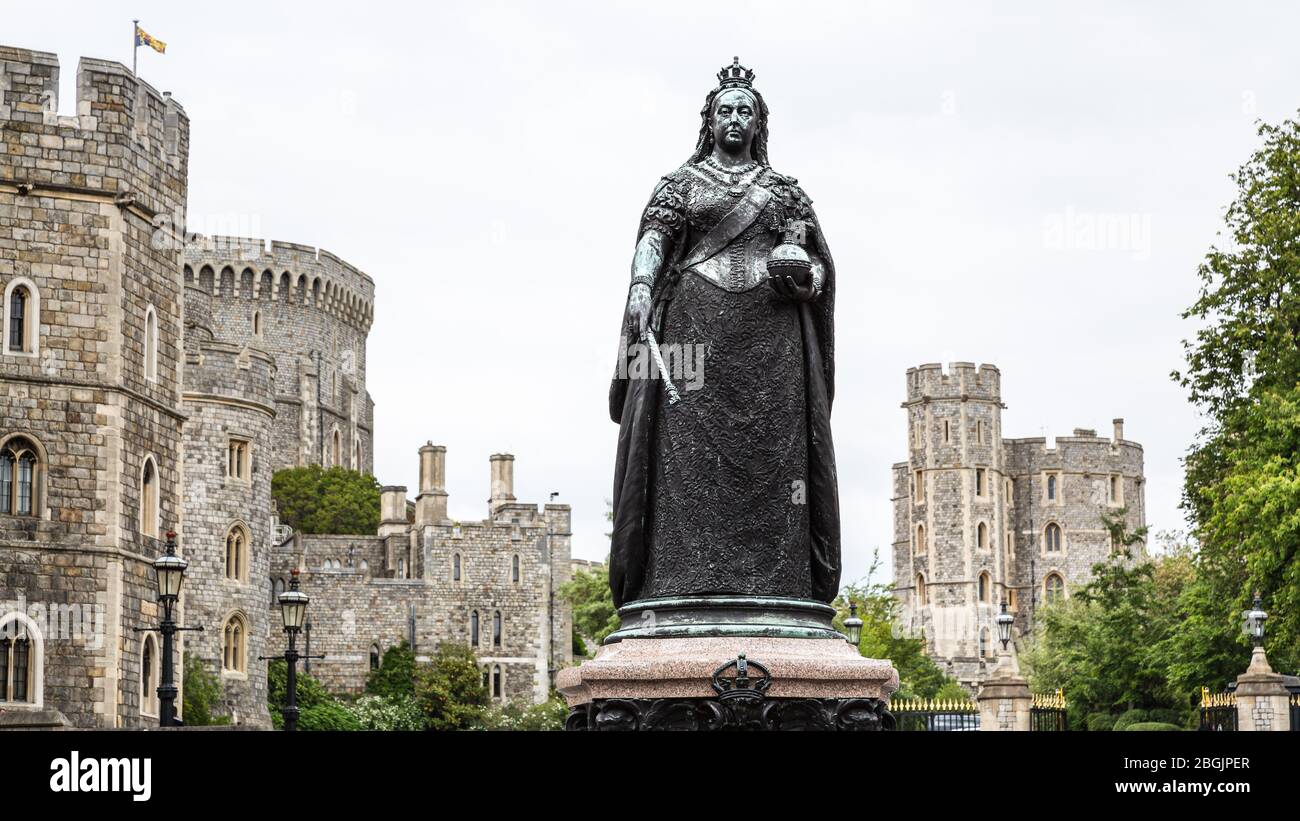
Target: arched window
[
  {"x": 149, "y": 676},
  {"x": 257, "y": 323},
  {"x": 473, "y": 628},
  {"x": 236, "y": 553},
  {"x": 514, "y": 569},
  {"x": 982, "y": 536},
  {"x": 1052, "y": 537},
  {"x": 20, "y": 661},
  {"x": 150, "y": 344},
  {"x": 234, "y": 644},
  {"x": 336, "y": 448},
  {"x": 984, "y": 587},
  {"x": 920, "y": 589},
  {"x": 498, "y": 681},
  {"x": 22, "y": 318},
  {"x": 496, "y": 628},
  {"x": 374, "y": 657},
  {"x": 455, "y": 567},
  {"x": 1051, "y": 487},
  {"x": 356, "y": 456},
  {"x": 20, "y": 475},
  {"x": 1053, "y": 588},
  {"x": 920, "y": 540},
  {"x": 149, "y": 498}
]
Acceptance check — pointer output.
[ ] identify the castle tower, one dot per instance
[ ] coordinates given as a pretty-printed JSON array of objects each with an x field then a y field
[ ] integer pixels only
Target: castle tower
[
  {"x": 229, "y": 403},
  {"x": 951, "y": 512},
  {"x": 312, "y": 312},
  {"x": 90, "y": 382}
]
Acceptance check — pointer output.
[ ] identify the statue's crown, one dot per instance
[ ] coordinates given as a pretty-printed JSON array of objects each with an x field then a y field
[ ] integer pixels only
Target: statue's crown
[{"x": 735, "y": 76}]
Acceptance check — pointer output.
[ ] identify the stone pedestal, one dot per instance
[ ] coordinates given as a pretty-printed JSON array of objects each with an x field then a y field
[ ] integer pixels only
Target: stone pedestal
[
  {"x": 673, "y": 674},
  {"x": 1004, "y": 698},
  {"x": 1263, "y": 702}
]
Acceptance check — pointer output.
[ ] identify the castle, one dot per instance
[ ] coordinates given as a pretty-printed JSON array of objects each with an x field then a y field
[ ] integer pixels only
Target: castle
[
  {"x": 153, "y": 384},
  {"x": 980, "y": 519}
]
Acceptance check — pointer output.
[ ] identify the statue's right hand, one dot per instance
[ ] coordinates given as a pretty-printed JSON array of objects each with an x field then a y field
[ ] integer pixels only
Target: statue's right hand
[{"x": 638, "y": 308}]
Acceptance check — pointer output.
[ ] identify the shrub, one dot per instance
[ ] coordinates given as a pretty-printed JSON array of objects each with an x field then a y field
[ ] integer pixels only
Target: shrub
[
  {"x": 1152, "y": 726},
  {"x": 327, "y": 715},
  {"x": 1130, "y": 717},
  {"x": 387, "y": 714},
  {"x": 1101, "y": 722},
  {"x": 395, "y": 678},
  {"x": 310, "y": 695},
  {"x": 450, "y": 692},
  {"x": 547, "y": 716}
]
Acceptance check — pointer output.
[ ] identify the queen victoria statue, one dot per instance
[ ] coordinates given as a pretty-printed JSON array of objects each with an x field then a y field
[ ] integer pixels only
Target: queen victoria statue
[
  {"x": 727, "y": 485},
  {"x": 726, "y": 542}
]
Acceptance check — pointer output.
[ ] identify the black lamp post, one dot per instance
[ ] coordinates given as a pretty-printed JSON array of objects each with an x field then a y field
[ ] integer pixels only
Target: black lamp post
[
  {"x": 170, "y": 572},
  {"x": 853, "y": 625},
  {"x": 1255, "y": 618},
  {"x": 293, "y": 611},
  {"x": 1005, "y": 620}
]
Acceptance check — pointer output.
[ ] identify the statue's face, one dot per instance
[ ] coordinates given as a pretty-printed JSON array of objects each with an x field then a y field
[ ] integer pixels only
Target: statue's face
[{"x": 734, "y": 121}]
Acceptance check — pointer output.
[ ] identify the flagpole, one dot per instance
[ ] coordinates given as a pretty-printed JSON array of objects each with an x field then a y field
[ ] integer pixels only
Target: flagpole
[{"x": 135, "y": 45}]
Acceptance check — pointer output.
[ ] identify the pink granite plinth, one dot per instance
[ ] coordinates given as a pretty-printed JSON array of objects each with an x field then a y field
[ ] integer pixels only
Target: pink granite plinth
[{"x": 683, "y": 668}]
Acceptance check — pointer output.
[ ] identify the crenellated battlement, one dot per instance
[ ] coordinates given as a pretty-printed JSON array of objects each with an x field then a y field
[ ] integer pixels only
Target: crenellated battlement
[
  {"x": 127, "y": 141},
  {"x": 960, "y": 380},
  {"x": 248, "y": 268}
]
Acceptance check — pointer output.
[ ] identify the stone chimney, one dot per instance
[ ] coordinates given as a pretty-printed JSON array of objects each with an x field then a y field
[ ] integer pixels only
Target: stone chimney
[
  {"x": 1119, "y": 429},
  {"x": 431, "y": 504},
  {"x": 392, "y": 510},
  {"x": 503, "y": 481}
]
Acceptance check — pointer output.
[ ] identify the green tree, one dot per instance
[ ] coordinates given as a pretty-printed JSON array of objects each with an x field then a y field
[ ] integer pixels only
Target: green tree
[
  {"x": 884, "y": 638},
  {"x": 395, "y": 678},
  {"x": 594, "y": 614},
  {"x": 202, "y": 694},
  {"x": 317, "y": 709},
  {"x": 450, "y": 691},
  {"x": 1242, "y": 485},
  {"x": 337, "y": 501}
]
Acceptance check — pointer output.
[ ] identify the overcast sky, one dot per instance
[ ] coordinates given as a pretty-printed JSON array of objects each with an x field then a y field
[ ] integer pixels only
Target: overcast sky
[{"x": 487, "y": 164}]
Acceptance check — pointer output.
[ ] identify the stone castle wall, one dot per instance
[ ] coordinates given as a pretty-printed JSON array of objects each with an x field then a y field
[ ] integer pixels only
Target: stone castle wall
[
  {"x": 971, "y": 513},
  {"x": 80, "y": 198}
]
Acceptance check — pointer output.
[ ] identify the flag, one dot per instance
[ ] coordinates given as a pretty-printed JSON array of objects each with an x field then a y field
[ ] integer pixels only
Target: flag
[{"x": 143, "y": 38}]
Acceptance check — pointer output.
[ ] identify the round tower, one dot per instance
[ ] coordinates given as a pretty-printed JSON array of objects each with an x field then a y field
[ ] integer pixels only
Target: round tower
[
  {"x": 229, "y": 402},
  {"x": 950, "y": 563}
]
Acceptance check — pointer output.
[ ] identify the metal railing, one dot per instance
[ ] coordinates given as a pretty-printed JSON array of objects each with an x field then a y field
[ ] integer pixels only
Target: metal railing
[
  {"x": 936, "y": 715},
  {"x": 1219, "y": 711},
  {"x": 1049, "y": 713}
]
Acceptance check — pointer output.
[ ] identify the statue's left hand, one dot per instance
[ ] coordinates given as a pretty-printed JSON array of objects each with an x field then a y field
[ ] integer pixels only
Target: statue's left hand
[{"x": 793, "y": 291}]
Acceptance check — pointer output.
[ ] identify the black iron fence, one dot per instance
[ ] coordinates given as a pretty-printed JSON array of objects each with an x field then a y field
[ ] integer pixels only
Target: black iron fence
[
  {"x": 935, "y": 715},
  {"x": 1049, "y": 713},
  {"x": 1219, "y": 711}
]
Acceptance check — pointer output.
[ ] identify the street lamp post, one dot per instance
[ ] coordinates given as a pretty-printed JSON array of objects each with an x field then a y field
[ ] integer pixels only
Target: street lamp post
[
  {"x": 169, "y": 570},
  {"x": 293, "y": 612}
]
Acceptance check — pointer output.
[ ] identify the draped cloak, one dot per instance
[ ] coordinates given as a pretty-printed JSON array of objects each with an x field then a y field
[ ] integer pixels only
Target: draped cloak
[{"x": 732, "y": 490}]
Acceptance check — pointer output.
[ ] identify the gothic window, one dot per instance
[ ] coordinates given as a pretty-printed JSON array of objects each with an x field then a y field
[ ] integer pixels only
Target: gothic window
[
  {"x": 984, "y": 586},
  {"x": 473, "y": 628},
  {"x": 239, "y": 460},
  {"x": 981, "y": 481},
  {"x": 455, "y": 567},
  {"x": 1053, "y": 487},
  {"x": 149, "y": 498},
  {"x": 497, "y": 681},
  {"x": 920, "y": 589},
  {"x": 335, "y": 448},
  {"x": 22, "y": 318},
  {"x": 374, "y": 657},
  {"x": 496, "y": 628},
  {"x": 150, "y": 344},
  {"x": 1052, "y": 537},
  {"x": 149, "y": 677},
  {"x": 920, "y": 540},
  {"x": 1053, "y": 588},
  {"x": 356, "y": 456},
  {"x": 19, "y": 663},
  {"x": 982, "y": 536},
  {"x": 234, "y": 644},
  {"x": 257, "y": 323},
  {"x": 514, "y": 569},
  {"x": 20, "y": 469},
  {"x": 236, "y": 553}
]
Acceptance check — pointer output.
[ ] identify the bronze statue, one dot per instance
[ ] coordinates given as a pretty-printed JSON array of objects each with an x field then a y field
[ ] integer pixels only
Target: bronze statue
[{"x": 727, "y": 487}]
